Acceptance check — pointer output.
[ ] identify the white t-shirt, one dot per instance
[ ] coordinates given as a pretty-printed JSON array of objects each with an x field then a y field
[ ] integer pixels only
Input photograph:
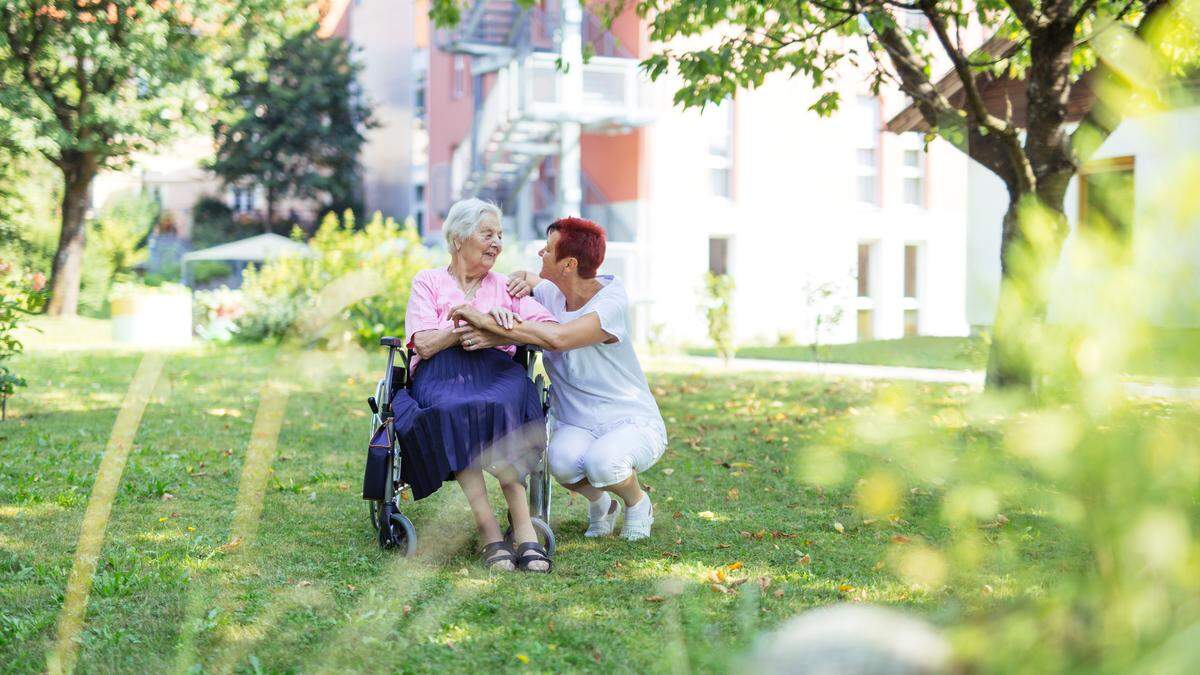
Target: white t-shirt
[{"x": 599, "y": 384}]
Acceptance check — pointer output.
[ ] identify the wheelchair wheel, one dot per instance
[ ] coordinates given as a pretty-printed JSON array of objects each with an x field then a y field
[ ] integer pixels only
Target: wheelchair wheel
[{"x": 395, "y": 531}]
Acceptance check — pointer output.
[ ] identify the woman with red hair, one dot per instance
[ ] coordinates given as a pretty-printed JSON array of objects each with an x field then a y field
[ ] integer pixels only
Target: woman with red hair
[{"x": 606, "y": 425}]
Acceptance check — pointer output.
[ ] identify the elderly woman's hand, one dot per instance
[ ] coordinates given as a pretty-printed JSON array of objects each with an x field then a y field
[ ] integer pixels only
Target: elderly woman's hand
[
  {"x": 472, "y": 338},
  {"x": 467, "y": 313}
]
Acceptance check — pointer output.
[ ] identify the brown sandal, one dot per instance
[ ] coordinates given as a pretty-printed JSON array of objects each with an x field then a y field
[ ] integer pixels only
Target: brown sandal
[{"x": 505, "y": 551}]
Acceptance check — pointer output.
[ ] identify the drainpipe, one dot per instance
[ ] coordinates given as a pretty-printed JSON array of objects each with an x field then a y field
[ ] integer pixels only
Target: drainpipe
[{"x": 570, "y": 183}]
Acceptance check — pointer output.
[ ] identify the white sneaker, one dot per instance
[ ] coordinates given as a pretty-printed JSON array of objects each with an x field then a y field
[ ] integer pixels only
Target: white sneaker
[
  {"x": 638, "y": 519},
  {"x": 602, "y": 525}
]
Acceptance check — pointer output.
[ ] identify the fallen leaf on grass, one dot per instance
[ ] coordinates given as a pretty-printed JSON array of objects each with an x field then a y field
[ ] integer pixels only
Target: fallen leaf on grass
[
  {"x": 654, "y": 598},
  {"x": 722, "y": 545},
  {"x": 720, "y": 588},
  {"x": 900, "y": 539},
  {"x": 522, "y": 658},
  {"x": 668, "y": 472},
  {"x": 778, "y": 593},
  {"x": 841, "y": 529},
  {"x": 845, "y": 588},
  {"x": 734, "y": 566},
  {"x": 764, "y": 582},
  {"x": 167, "y": 496},
  {"x": 707, "y": 515},
  {"x": 733, "y": 494}
]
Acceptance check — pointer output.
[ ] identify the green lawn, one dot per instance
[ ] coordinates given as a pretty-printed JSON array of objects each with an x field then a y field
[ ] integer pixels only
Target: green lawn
[
  {"x": 1169, "y": 353},
  {"x": 312, "y": 591},
  {"x": 955, "y": 353}
]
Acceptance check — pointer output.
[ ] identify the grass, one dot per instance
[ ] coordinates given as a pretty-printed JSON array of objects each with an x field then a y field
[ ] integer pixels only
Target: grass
[
  {"x": 311, "y": 590},
  {"x": 954, "y": 353},
  {"x": 1169, "y": 353}
]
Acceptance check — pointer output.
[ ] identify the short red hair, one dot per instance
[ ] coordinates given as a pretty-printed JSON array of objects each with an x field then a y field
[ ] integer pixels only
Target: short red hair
[{"x": 582, "y": 240}]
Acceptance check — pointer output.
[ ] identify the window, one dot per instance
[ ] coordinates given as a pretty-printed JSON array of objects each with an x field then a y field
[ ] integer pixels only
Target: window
[
  {"x": 418, "y": 208},
  {"x": 865, "y": 303},
  {"x": 911, "y": 256},
  {"x": 243, "y": 200},
  {"x": 718, "y": 130},
  {"x": 419, "y": 98},
  {"x": 458, "y": 78},
  {"x": 866, "y": 325},
  {"x": 912, "y": 171},
  {"x": 718, "y": 255},
  {"x": 912, "y": 289},
  {"x": 912, "y": 20},
  {"x": 1106, "y": 204},
  {"x": 867, "y": 153},
  {"x": 864, "y": 270}
]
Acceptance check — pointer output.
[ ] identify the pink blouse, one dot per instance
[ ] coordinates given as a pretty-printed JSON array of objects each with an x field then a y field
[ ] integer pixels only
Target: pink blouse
[{"x": 435, "y": 293}]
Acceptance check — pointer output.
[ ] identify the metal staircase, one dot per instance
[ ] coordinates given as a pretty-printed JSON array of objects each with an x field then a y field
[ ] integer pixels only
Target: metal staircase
[
  {"x": 517, "y": 123},
  {"x": 489, "y": 27}
]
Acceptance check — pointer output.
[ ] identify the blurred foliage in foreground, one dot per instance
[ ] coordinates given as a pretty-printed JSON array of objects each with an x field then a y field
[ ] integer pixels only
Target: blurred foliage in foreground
[{"x": 1113, "y": 477}]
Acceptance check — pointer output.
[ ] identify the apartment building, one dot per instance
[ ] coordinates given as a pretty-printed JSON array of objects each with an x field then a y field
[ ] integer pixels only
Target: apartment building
[{"x": 822, "y": 222}]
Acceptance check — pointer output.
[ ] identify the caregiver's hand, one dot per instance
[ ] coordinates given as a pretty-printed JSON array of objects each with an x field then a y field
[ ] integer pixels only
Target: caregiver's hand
[
  {"x": 518, "y": 285},
  {"x": 472, "y": 339},
  {"x": 505, "y": 318}
]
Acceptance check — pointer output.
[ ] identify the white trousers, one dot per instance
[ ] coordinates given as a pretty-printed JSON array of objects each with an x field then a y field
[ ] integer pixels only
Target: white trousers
[{"x": 607, "y": 455}]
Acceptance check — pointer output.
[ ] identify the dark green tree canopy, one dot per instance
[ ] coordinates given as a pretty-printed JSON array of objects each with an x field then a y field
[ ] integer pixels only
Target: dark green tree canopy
[
  {"x": 296, "y": 127},
  {"x": 91, "y": 82}
]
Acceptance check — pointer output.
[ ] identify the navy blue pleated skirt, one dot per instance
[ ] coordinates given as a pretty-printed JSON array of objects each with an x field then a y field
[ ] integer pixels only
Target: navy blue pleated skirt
[{"x": 467, "y": 409}]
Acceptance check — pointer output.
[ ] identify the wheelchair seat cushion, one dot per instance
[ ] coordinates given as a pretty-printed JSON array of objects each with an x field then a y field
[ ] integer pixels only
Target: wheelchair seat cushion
[{"x": 464, "y": 410}]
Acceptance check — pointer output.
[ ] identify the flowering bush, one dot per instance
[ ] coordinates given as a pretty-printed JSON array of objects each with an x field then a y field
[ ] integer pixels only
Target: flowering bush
[
  {"x": 21, "y": 294},
  {"x": 361, "y": 276},
  {"x": 215, "y": 313}
]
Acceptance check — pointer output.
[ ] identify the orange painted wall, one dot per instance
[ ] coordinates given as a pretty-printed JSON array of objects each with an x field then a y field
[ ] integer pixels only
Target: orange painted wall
[{"x": 614, "y": 162}]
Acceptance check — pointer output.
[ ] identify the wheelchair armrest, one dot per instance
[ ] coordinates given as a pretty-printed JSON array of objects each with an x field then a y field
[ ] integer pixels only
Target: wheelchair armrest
[{"x": 393, "y": 342}]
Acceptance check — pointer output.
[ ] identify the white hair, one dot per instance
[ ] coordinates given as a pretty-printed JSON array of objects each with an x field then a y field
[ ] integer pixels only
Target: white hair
[{"x": 464, "y": 217}]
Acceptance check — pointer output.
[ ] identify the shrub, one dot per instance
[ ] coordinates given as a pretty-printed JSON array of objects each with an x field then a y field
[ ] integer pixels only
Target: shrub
[
  {"x": 215, "y": 313},
  {"x": 382, "y": 255},
  {"x": 116, "y": 243},
  {"x": 718, "y": 299},
  {"x": 21, "y": 294}
]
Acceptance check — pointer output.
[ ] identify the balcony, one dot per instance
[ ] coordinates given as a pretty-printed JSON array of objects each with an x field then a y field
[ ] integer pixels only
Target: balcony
[
  {"x": 517, "y": 126},
  {"x": 497, "y": 30}
]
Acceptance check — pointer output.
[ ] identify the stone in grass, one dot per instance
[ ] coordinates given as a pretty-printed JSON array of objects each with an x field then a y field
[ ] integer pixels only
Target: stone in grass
[{"x": 852, "y": 639}]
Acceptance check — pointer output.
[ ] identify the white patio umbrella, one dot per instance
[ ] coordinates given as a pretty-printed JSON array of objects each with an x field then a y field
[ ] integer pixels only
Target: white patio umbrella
[{"x": 258, "y": 248}]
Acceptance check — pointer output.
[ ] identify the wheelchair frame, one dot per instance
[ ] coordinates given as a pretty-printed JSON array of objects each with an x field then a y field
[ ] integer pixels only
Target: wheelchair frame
[{"x": 393, "y": 529}]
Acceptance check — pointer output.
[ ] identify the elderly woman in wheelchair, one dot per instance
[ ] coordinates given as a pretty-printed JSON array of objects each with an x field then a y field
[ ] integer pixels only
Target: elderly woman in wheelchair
[{"x": 467, "y": 412}]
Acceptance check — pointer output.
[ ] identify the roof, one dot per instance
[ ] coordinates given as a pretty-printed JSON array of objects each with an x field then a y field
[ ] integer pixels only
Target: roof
[
  {"x": 998, "y": 93},
  {"x": 253, "y": 249}
]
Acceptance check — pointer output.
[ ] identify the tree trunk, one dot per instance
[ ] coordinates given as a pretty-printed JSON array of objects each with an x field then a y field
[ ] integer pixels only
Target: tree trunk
[
  {"x": 67, "y": 272},
  {"x": 1030, "y": 245}
]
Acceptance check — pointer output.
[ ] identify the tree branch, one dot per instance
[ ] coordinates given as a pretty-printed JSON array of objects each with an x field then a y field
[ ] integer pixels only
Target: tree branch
[{"x": 1101, "y": 119}]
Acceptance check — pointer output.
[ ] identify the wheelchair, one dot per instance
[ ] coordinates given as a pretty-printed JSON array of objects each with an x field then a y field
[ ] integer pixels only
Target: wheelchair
[{"x": 393, "y": 530}]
